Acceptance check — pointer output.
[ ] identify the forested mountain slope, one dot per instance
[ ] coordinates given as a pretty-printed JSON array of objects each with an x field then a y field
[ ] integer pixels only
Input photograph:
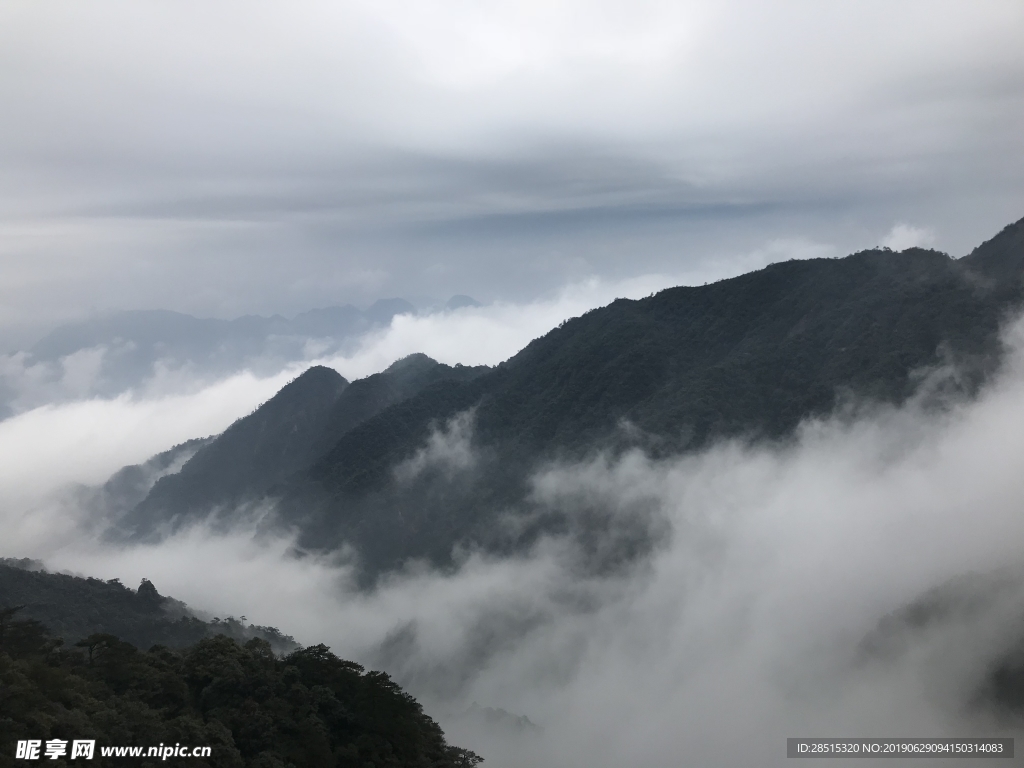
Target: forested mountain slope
[
  {"x": 753, "y": 355},
  {"x": 283, "y": 436},
  {"x": 87, "y": 659},
  {"x": 248, "y": 457},
  {"x": 748, "y": 357}
]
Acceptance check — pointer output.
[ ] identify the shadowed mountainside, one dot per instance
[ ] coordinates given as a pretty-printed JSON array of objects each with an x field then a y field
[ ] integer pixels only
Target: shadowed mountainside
[
  {"x": 412, "y": 471},
  {"x": 753, "y": 355},
  {"x": 246, "y": 459},
  {"x": 281, "y": 438}
]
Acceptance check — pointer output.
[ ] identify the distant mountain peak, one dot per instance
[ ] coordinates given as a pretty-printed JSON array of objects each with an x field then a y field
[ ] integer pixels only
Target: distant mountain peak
[
  {"x": 316, "y": 376},
  {"x": 250, "y": 455},
  {"x": 459, "y": 301},
  {"x": 416, "y": 359},
  {"x": 382, "y": 311}
]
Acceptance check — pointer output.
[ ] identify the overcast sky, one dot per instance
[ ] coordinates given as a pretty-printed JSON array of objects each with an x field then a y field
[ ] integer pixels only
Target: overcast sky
[{"x": 232, "y": 157}]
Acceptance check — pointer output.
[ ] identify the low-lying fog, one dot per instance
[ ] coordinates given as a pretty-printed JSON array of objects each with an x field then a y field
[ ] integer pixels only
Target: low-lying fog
[{"x": 745, "y": 626}]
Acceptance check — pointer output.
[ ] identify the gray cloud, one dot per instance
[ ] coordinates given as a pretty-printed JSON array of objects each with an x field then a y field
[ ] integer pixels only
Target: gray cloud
[{"x": 231, "y": 160}]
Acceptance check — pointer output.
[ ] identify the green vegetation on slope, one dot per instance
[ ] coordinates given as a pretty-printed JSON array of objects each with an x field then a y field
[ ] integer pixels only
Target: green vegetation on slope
[
  {"x": 254, "y": 709},
  {"x": 71, "y": 668}
]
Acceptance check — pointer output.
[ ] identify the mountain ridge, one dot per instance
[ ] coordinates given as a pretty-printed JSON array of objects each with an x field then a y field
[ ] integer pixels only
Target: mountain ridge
[
  {"x": 750, "y": 357},
  {"x": 279, "y": 439}
]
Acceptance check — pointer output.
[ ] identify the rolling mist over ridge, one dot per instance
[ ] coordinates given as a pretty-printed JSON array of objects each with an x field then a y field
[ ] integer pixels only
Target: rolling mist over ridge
[{"x": 424, "y": 458}]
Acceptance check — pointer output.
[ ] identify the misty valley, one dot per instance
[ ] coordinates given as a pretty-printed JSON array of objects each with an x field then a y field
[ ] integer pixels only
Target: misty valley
[{"x": 669, "y": 531}]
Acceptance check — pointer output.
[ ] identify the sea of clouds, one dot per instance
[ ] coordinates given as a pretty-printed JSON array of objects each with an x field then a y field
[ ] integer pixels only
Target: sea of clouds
[{"x": 746, "y": 624}]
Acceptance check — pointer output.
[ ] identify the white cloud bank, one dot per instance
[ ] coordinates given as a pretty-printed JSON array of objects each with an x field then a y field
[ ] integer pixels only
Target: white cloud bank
[{"x": 903, "y": 236}]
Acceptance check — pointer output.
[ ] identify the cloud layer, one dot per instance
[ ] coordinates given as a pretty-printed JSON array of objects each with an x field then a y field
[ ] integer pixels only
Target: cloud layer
[{"x": 270, "y": 159}]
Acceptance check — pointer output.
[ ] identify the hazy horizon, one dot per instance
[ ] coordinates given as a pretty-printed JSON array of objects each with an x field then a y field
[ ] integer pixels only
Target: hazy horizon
[{"x": 261, "y": 159}]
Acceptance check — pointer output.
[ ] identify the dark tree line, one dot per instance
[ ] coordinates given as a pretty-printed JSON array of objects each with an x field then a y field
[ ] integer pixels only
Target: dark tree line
[{"x": 255, "y": 709}]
